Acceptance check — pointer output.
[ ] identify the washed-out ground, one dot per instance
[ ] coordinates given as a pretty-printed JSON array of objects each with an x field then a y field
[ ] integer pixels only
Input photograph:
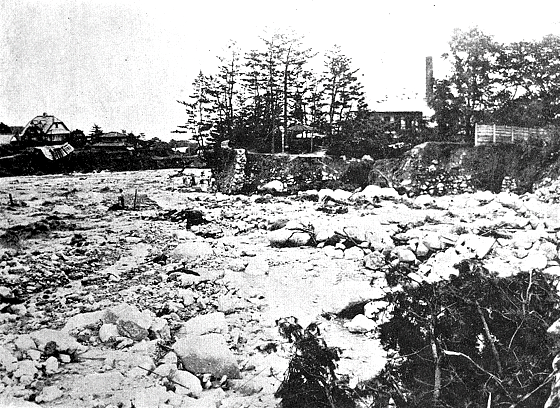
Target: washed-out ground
[{"x": 78, "y": 256}]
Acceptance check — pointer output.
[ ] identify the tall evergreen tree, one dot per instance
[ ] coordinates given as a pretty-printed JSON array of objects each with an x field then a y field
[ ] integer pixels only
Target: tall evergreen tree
[
  {"x": 343, "y": 91},
  {"x": 202, "y": 110},
  {"x": 228, "y": 85}
]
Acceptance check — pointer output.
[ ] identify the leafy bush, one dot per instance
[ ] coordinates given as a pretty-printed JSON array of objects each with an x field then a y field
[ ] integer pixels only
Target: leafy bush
[
  {"x": 472, "y": 339},
  {"x": 311, "y": 381}
]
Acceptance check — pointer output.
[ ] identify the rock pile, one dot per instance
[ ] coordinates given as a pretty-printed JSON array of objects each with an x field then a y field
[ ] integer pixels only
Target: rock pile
[
  {"x": 548, "y": 190},
  {"x": 499, "y": 230},
  {"x": 124, "y": 345},
  {"x": 509, "y": 185},
  {"x": 149, "y": 313}
]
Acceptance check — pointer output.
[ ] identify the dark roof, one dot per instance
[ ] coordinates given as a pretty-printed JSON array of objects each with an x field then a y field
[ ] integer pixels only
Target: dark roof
[
  {"x": 113, "y": 135},
  {"x": 56, "y": 152},
  {"x": 45, "y": 122}
]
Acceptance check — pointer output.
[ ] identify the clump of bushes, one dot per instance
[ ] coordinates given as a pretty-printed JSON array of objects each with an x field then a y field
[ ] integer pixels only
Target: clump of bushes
[
  {"x": 311, "y": 381},
  {"x": 476, "y": 340}
]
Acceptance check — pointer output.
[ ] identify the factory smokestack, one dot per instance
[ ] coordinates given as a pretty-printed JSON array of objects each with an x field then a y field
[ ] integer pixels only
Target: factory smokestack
[{"x": 429, "y": 79}]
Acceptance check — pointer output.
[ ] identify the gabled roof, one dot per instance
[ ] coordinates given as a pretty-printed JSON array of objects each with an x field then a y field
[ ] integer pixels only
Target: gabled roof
[{"x": 45, "y": 123}]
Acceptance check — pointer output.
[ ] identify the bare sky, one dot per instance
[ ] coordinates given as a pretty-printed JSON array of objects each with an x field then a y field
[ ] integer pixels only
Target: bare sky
[{"x": 123, "y": 64}]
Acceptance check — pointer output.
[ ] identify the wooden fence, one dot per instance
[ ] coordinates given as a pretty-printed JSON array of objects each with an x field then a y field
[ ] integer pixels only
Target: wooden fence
[{"x": 493, "y": 134}]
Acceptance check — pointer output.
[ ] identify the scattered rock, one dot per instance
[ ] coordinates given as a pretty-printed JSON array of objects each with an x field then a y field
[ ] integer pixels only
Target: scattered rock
[
  {"x": 204, "y": 324},
  {"x": 8, "y": 361},
  {"x": 274, "y": 186},
  {"x": 49, "y": 394},
  {"x": 51, "y": 365},
  {"x": 83, "y": 321},
  {"x": 207, "y": 354},
  {"x": 24, "y": 342},
  {"x": 108, "y": 332},
  {"x": 187, "y": 383},
  {"x": 360, "y": 324},
  {"x": 533, "y": 261},
  {"x": 129, "y": 320},
  {"x": 25, "y": 368},
  {"x": 404, "y": 254},
  {"x": 355, "y": 253},
  {"x": 286, "y": 237},
  {"x": 57, "y": 340},
  {"x": 8, "y": 402},
  {"x": 165, "y": 370},
  {"x": 477, "y": 245}
]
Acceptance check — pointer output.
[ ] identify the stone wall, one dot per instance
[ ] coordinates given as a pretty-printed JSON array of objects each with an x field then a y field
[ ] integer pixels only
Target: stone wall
[
  {"x": 439, "y": 168},
  {"x": 232, "y": 179},
  {"x": 430, "y": 168},
  {"x": 246, "y": 172}
]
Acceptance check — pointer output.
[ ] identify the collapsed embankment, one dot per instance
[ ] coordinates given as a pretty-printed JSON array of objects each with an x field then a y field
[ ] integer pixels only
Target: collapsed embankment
[{"x": 430, "y": 168}]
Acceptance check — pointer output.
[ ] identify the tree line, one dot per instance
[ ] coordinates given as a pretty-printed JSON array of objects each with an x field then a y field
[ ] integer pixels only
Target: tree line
[
  {"x": 259, "y": 99},
  {"x": 255, "y": 98},
  {"x": 515, "y": 84}
]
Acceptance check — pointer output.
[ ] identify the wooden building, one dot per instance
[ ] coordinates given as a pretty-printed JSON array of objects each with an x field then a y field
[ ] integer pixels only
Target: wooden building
[{"x": 44, "y": 129}]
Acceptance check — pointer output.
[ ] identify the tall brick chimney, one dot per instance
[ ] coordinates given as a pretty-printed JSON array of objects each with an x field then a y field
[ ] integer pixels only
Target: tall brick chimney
[{"x": 429, "y": 79}]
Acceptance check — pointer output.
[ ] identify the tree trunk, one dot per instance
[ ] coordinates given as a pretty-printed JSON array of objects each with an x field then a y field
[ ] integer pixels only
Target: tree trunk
[
  {"x": 437, "y": 369},
  {"x": 286, "y": 66},
  {"x": 490, "y": 340}
]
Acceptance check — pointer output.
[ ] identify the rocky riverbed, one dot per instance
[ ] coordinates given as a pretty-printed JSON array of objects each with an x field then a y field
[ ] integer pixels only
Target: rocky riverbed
[{"x": 129, "y": 289}]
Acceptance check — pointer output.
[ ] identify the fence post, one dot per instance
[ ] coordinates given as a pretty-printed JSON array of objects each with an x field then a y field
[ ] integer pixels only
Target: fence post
[
  {"x": 494, "y": 133},
  {"x": 512, "y": 138}
]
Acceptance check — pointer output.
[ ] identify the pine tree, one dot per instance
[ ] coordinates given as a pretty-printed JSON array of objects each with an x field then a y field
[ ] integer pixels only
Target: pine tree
[{"x": 343, "y": 91}]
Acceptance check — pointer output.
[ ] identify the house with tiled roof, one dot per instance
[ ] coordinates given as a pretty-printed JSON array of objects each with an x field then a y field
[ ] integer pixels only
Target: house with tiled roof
[
  {"x": 45, "y": 129},
  {"x": 114, "y": 140}
]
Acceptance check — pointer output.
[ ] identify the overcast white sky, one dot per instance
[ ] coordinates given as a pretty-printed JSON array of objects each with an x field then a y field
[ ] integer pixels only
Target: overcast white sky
[{"x": 123, "y": 64}]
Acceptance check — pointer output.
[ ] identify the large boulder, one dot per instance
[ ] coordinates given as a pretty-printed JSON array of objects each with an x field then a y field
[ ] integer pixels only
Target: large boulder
[
  {"x": 274, "y": 186},
  {"x": 207, "y": 354},
  {"x": 204, "y": 324},
  {"x": 287, "y": 237},
  {"x": 360, "y": 324},
  {"x": 83, "y": 321},
  {"x": 186, "y": 383},
  {"x": 60, "y": 341},
  {"x": 129, "y": 320}
]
